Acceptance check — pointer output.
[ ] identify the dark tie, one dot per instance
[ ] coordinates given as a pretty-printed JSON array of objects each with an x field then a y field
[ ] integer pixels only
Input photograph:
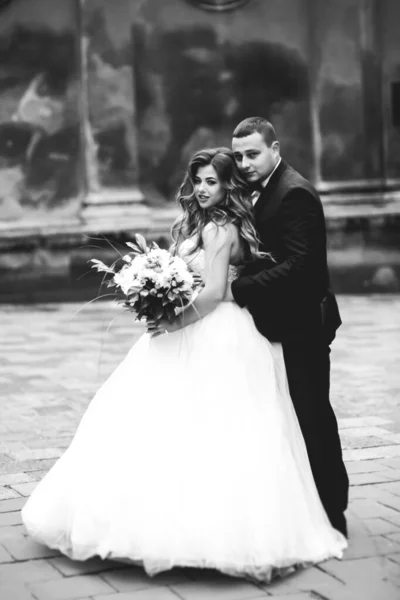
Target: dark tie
[{"x": 256, "y": 187}]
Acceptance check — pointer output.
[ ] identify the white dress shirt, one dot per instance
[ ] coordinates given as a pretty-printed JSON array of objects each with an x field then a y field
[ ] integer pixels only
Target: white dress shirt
[{"x": 255, "y": 195}]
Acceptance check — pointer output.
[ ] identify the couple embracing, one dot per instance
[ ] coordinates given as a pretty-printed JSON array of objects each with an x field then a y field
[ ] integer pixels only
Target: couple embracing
[{"x": 216, "y": 446}]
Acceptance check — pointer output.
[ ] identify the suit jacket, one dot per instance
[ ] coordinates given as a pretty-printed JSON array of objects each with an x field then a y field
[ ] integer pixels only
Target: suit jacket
[{"x": 291, "y": 297}]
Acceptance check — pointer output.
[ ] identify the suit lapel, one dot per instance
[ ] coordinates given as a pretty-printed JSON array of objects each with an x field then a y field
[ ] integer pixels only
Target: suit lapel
[{"x": 268, "y": 202}]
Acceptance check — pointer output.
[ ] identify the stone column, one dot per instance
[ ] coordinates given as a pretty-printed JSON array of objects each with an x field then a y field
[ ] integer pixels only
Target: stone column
[
  {"x": 114, "y": 201},
  {"x": 314, "y": 60},
  {"x": 371, "y": 72}
]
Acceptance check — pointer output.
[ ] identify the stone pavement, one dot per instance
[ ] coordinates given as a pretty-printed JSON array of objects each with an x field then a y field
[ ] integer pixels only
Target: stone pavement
[{"x": 52, "y": 360}]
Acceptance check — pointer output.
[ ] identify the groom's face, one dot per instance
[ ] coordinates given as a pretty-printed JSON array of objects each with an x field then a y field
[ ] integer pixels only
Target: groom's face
[{"x": 254, "y": 158}]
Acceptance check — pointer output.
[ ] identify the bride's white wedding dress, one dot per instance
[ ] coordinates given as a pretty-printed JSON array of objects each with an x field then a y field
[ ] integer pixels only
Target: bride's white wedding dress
[{"x": 190, "y": 454}]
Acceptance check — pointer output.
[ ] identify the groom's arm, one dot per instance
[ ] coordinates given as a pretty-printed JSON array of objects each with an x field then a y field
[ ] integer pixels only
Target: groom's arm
[{"x": 301, "y": 223}]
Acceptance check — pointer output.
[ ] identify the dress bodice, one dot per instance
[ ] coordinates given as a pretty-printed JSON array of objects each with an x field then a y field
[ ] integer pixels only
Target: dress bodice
[{"x": 195, "y": 259}]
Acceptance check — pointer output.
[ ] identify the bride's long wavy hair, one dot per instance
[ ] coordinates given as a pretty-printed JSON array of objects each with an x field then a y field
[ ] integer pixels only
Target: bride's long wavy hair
[{"x": 236, "y": 208}]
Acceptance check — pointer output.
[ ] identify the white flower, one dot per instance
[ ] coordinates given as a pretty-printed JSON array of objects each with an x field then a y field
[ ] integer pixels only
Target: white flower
[
  {"x": 158, "y": 255},
  {"x": 153, "y": 272},
  {"x": 127, "y": 279}
]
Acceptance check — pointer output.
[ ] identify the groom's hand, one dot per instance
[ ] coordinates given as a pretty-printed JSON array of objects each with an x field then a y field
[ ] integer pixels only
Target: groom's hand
[
  {"x": 162, "y": 327},
  {"x": 228, "y": 294}
]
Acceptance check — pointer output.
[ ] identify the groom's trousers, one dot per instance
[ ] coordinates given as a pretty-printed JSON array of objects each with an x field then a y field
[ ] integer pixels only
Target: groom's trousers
[{"x": 308, "y": 372}]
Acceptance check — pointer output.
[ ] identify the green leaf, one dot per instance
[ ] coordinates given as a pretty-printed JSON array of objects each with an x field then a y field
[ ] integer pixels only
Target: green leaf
[
  {"x": 141, "y": 242},
  {"x": 136, "y": 249},
  {"x": 100, "y": 266},
  {"x": 158, "y": 312}
]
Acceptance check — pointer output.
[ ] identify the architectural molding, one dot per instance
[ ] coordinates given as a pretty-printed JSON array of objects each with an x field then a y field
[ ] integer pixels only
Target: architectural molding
[{"x": 218, "y": 5}]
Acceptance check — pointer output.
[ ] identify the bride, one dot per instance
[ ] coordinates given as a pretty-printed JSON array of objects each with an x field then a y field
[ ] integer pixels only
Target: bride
[{"x": 190, "y": 454}]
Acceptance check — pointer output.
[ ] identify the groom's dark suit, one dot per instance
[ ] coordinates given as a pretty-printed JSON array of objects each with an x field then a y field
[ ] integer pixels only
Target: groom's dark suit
[{"x": 291, "y": 302}]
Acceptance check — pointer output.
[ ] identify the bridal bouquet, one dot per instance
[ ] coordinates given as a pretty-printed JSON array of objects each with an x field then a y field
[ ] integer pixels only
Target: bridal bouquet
[{"x": 151, "y": 282}]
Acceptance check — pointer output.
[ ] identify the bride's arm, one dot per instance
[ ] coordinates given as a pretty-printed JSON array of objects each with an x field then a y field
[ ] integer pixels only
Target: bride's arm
[{"x": 217, "y": 242}]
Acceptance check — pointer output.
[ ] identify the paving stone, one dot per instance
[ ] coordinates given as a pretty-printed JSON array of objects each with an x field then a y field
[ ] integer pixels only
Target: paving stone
[
  {"x": 150, "y": 594},
  {"x": 11, "y": 518},
  {"x": 12, "y": 532},
  {"x": 350, "y": 442},
  {"x": 369, "y": 453},
  {"x": 352, "y": 422},
  {"x": 70, "y": 588},
  {"x": 374, "y": 493},
  {"x": 368, "y": 478},
  {"x": 60, "y": 442},
  {"x": 371, "y": 569},
  {"x": 61, "y": 378},
  {"x": 135, "y": 578},
  {"x": 311, "y": 579},
  {"x": 392, "y": 463},
  {"x": 37, "y": 454},
  {"x": 394, "y": 475},
  {"x": 356, "y": 528},
  {"x": 217, "y": 590},
  {"x": 69, "y": 568},
  {"x": 393, "y": 438},
  {"x": 393, "y": 518},
  {"x": 25, "y": 548},
  {"x": 296, "y": 596},
  {"x": 26, "y": 465},
  {"x": 368, "y": 509},
  {"x": 394, "y": 558},
  {"x": 394, "y": 536},
  {"x": 363, "y": 590},
  {"x": 364, "y": 432},
  {"x": 393, "y": 488},
  {"x": 5, "y": 557},
  {"x": 15, "y": 591},
  {"x": 25, "y": 489},
  {"x": 8, "y": 494},
  {"x": 15, "y": 478},
  {"x": 363, "y": 547},
  {"x": 366, "y": 466},
  {"x": 380, "y": 526},
  {"x": 38, "y": 570},
  {"x": 38, "y": 475},
  {"x": 389, "y": 500}
]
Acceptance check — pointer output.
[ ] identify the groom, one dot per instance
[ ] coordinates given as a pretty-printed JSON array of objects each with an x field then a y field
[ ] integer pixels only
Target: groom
[{"x": 290, "y": 299}]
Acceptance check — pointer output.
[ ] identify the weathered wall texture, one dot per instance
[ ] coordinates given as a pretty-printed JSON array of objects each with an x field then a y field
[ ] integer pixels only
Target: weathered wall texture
[
  {"x": 40, "y": 150},
  {"x": 98, "y": 95},
  {"x": 390, "y": 52},
  {"x": 199, "y": 73},
  {"x": 108, "y": 66},
  {"x": 102, "y": 102}
]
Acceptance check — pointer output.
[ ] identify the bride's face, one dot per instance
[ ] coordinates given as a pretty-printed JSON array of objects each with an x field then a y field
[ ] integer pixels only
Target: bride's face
[{"x": 208, "y": 188}]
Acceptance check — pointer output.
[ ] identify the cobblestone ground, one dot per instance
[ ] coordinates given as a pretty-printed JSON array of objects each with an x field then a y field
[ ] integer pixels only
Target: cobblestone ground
[{"x": 52, "y": 360}]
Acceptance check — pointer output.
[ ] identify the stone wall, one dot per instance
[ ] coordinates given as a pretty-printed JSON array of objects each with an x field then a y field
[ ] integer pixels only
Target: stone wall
[
  {"x": 40, "y": 146},
  {"x": 102, "y": 103}
]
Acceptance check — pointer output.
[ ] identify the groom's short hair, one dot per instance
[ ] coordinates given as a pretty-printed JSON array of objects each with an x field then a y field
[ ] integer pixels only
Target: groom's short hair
[{"x": 256, "y": 124}]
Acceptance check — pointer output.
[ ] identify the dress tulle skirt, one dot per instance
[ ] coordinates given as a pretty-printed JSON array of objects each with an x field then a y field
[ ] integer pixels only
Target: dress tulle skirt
[{"x": 190, "y": 454}]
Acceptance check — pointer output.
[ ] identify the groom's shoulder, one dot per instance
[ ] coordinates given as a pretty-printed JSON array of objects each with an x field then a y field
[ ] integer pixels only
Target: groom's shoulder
[{"x": 291, "y": 180}]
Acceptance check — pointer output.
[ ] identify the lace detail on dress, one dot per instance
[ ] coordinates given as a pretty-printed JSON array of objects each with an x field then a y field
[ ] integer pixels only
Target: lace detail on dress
[
  {"x": 233, "y": 273},
  {"x": 195, "y": 259}
]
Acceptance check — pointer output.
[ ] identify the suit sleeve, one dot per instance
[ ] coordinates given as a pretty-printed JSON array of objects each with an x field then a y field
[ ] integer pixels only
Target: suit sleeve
[{"x": 300, "y": 221}]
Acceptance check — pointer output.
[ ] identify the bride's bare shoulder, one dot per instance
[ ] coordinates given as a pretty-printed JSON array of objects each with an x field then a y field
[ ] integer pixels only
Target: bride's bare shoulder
[{"x": 224, "y": 231}]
